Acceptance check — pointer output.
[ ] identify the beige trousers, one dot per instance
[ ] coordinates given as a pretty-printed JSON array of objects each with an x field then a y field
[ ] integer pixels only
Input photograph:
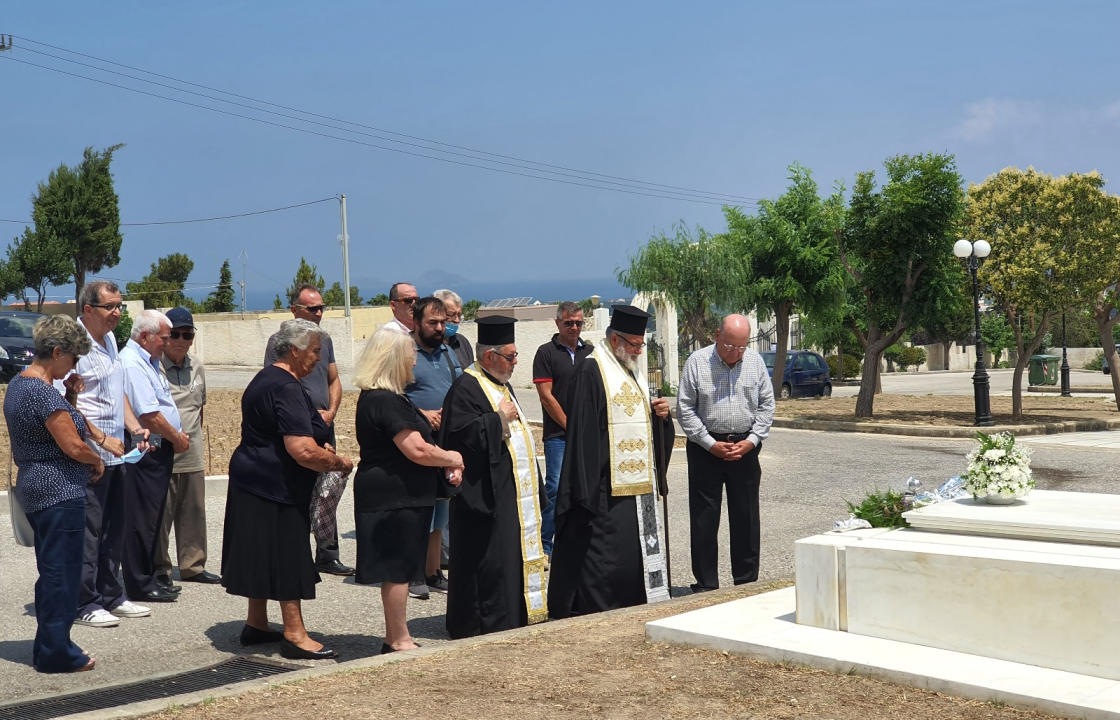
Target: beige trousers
[{"x": 186, "y": 510}]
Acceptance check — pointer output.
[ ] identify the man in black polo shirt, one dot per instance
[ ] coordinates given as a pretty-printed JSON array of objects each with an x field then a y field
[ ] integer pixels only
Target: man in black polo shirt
[{"x": 553, "y": 368}]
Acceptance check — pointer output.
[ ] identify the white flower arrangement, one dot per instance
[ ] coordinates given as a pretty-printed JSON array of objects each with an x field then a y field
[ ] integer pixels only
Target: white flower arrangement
[{"x": 998, "y": 469}]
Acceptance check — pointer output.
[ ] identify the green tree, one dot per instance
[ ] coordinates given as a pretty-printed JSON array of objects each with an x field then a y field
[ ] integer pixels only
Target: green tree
[
  {"x": 221, "y": 298},
  {"x": 333, "y": 296},
  {"x": 697, "y": 275},
  {"x": 897, "y": 247},
  {"x": 790, "y": 249},
  {"x": 470, "y": 309},
  {"x": 378, "y": 300},
  {"x": 1039, "y": 227},
  {"x": 11, "y": 281},
  {"x": 277, "y": 303},
  {"x": 123, "y": 329},
  {"x": 163, "y": 286},
  {"x": 306, "y": 274},
  {"x": 996, "y": 334},
  {"x": 35, "y": 261},
  {"x": 77, "y": 209}
]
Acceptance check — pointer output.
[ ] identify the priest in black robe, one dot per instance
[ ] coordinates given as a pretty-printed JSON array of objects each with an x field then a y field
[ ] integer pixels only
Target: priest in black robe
[
  {"x": 496, "y": 576},
  {"x": 610, "y": 549}
]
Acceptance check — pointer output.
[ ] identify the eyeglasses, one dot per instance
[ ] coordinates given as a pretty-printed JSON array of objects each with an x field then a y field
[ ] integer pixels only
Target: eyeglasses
[
  {"x": 184, "y": 334},
  {"x": 572, "y": 323},
  {"x": 406, "y": 301},
  {"x": 454, "y": 317},
  {"x": 733, "y": 348},
  {"x": 107, "y": 306},
  {"x": 312, "y": 308},
  {"x": 635, "y": 345},
  {"x": 509, "y": 358}
]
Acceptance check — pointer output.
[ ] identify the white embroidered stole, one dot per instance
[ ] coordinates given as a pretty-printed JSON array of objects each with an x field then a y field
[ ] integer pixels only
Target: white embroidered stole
[
  {"x": 630, "y": 436},
  {"x": 527, "y": 483}
]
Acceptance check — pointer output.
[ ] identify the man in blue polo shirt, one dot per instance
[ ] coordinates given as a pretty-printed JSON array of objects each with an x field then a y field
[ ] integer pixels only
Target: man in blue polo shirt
[{"x": 436, "y": 368}]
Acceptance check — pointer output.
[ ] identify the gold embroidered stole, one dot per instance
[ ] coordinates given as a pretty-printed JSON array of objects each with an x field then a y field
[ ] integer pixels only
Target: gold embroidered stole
[
  {"x": 527, "y": 483},
  {"x": 629, "y": 432}
]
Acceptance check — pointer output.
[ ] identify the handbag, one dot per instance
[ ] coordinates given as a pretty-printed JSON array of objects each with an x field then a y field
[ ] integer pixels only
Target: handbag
[{"x": 21, "y": 528}]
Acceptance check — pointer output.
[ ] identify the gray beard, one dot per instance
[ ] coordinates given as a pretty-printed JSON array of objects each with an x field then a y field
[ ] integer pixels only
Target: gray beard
[{"x": 627, "y": 361}]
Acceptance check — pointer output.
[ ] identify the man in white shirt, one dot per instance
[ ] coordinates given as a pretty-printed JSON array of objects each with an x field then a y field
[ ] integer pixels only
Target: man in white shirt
[
  {"x": 401, "y": 297},
  {"x": 147, "y": 481}
]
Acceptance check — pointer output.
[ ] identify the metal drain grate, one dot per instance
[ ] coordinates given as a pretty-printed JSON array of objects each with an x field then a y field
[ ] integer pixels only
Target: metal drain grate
[{"x": 231, "y": 671}]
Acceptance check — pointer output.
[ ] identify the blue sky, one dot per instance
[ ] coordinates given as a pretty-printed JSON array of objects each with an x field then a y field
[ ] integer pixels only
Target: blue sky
[{"x": 719, "y": 97}]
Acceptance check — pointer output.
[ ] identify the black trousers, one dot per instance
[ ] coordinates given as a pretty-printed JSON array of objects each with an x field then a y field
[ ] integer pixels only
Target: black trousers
[
  {"x": 707, "y": 476},
  {"x": 101, "y": 587},
  {"x": 146, "y": 485}
]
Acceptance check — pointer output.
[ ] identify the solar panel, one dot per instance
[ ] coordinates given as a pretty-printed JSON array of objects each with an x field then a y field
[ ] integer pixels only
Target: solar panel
[{"x": 509, "y": 302}]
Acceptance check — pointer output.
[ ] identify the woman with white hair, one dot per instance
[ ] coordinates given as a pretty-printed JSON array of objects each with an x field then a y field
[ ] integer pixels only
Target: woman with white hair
[
  {"x": 397, "y": 480},
  {"x": 266, "y": 551}
]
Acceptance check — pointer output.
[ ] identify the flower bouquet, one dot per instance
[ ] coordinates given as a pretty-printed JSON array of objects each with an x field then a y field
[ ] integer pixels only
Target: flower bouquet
[{"x": 999, "y": 471}]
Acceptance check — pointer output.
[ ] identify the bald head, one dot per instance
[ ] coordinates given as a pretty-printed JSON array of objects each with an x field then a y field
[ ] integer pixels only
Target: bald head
[{"x": 734, "y": 333}]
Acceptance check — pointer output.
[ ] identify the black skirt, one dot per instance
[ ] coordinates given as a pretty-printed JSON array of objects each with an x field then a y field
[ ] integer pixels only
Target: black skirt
[
  {"x": 266, "y": 549},
  {"x": 392, "y": 544}
]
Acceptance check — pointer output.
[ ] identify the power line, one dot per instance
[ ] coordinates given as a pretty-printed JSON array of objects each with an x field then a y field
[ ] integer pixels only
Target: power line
[
  {"x": 522, "y": 164},
  {"x": 206, "y": 219},
  {"x": 608, "y": 182}
]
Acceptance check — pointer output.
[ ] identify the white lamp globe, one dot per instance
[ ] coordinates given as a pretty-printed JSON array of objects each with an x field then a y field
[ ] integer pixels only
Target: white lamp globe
[
  {"x": 963, "y": 248},
  {"x": 982, "y": 248}
]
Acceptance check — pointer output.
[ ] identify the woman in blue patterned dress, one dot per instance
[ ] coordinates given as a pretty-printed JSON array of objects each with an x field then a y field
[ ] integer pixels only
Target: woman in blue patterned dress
[{"x": 48, "y": 445}]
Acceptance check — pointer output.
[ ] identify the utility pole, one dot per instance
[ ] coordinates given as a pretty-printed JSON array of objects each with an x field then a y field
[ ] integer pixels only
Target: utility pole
[
  {"x": 5, "y": 44},
  {"x": 244, "y": 261},
  {"x": 345, "y": 253}
]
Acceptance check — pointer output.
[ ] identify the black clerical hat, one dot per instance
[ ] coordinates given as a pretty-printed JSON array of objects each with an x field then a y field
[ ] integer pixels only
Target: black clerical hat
[
  {"x": 629, "y": 319},
  {"x": 495, "y": 330}
]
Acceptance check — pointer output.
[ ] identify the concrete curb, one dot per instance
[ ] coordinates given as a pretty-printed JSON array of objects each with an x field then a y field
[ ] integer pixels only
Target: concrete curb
[
  {"x": 945, "y": 431},
  {"x": 1054, "y": 389}
]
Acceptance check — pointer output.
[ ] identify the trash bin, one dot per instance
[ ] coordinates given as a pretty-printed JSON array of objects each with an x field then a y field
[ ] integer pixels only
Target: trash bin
[{"x": 1044, "y": 369}]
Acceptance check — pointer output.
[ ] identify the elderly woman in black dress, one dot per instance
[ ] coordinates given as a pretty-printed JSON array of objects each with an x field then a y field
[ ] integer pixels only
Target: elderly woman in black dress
[
  {"x": 397, "y": 480},
  {"x": 266, "y": 553},
  {"x": 48, "y": 437}
]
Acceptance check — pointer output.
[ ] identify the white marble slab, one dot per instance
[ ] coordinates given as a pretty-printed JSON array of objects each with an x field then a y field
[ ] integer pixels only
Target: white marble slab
[
  {"x": 762, "y": 627},
  {"x": 1092, "y": 518}
]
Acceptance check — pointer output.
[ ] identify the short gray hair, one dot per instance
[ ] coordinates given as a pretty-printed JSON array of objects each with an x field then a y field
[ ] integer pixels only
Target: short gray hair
[
  {"x": 59, "y": 331},
  {"x": 481, "y": 349},
  {"x": 448, "y": 296},
  {"x": 296, "y": 334},
  {"x": 91, "y": 292},
  {"x": 149, "y": 321},
  {"x": 568, "y": 307}
]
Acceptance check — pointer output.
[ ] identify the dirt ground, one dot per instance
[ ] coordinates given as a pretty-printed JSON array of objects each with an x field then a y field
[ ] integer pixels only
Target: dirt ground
[
  {"x": 222, "y": 429},
  {"x": 596, "y": 667}
]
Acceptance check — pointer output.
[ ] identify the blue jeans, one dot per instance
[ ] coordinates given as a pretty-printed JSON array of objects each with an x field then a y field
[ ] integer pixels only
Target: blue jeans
[
  {"x": 59, "y": 536},
  {"x": 553, "y": 462}
]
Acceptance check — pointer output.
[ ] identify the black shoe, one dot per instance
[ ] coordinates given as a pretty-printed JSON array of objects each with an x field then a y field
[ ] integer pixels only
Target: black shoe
[
  {"x": 334, "y": 567},
  {"x": 437, "y": 582},
  {"x": 158, "y": 595},
  {"x": 698, "y": 588},
  {"x": 164, "y": 581},
  {"x": 255, "y": 636},
  {"x": 290, "y": 650},
  {"x": 208, "y": 578}
]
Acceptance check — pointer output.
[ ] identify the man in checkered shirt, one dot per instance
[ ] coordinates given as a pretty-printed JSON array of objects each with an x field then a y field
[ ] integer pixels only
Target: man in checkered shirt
[{"x": 725, "y": 406}]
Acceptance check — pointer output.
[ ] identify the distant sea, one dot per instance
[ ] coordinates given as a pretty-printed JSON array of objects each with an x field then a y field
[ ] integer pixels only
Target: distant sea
[{"x": 608, "y": 289}]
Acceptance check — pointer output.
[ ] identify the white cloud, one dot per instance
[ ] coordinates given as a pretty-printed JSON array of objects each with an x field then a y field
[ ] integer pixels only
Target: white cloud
[{"x": 991, "y": 116}]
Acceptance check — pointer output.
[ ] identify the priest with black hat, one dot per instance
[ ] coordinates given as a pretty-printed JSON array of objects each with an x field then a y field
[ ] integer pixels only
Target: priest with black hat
[
  {"x": 497, "y": 570},
  {"x": 610, "y": 548}
]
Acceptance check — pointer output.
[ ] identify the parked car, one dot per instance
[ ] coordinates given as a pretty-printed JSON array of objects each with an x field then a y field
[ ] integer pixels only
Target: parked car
[
  {"x": 16, "y": 346},
  {"x": 806, "y": 375}
]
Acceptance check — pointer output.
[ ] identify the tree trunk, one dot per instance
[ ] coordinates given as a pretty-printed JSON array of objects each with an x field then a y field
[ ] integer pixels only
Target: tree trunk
[
  {"x": 946, "y": 345},
  {"x": 79, "y": 282},
  {"x": 1025, "y": 350},
  {"x": 1108, "y": 345},
  {"x": 781, "y": 325},
  {"x": 869, "y": 385}
]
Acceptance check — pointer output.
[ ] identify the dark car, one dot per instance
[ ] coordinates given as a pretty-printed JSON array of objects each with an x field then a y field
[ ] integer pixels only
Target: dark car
[
  {"x": 16, "y": 346},
  {"x": 806, "y": 375}
]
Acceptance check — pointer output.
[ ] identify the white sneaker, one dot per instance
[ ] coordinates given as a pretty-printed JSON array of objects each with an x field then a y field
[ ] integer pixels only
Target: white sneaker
[
  {"x": 98, "y": 618},
  {"x": 129, "y": 609}
]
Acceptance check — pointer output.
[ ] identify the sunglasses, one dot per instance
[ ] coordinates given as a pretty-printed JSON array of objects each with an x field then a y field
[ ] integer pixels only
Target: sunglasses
[
  {"x": 509, "y": 358},
  {"x": 573, "y": 323},
  {"x": 184, "y": 334},
  {"x": 406, "y": 301},
  {"x": 312, "y": 308}
]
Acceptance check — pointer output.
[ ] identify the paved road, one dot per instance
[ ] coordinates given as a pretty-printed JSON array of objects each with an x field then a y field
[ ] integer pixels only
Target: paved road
[
  {"x": 960, "y": 383},
  {"x": 806, "y": 478}
]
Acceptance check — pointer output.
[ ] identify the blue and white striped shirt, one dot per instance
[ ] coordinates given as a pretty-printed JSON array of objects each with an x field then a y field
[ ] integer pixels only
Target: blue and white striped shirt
[{"x": 102, "y": 401}]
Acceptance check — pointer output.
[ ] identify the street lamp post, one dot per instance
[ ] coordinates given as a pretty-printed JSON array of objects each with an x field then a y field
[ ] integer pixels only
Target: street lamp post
[
  {"x": 1065, "y": 361},
  {"x": 976, "y": 252}
]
